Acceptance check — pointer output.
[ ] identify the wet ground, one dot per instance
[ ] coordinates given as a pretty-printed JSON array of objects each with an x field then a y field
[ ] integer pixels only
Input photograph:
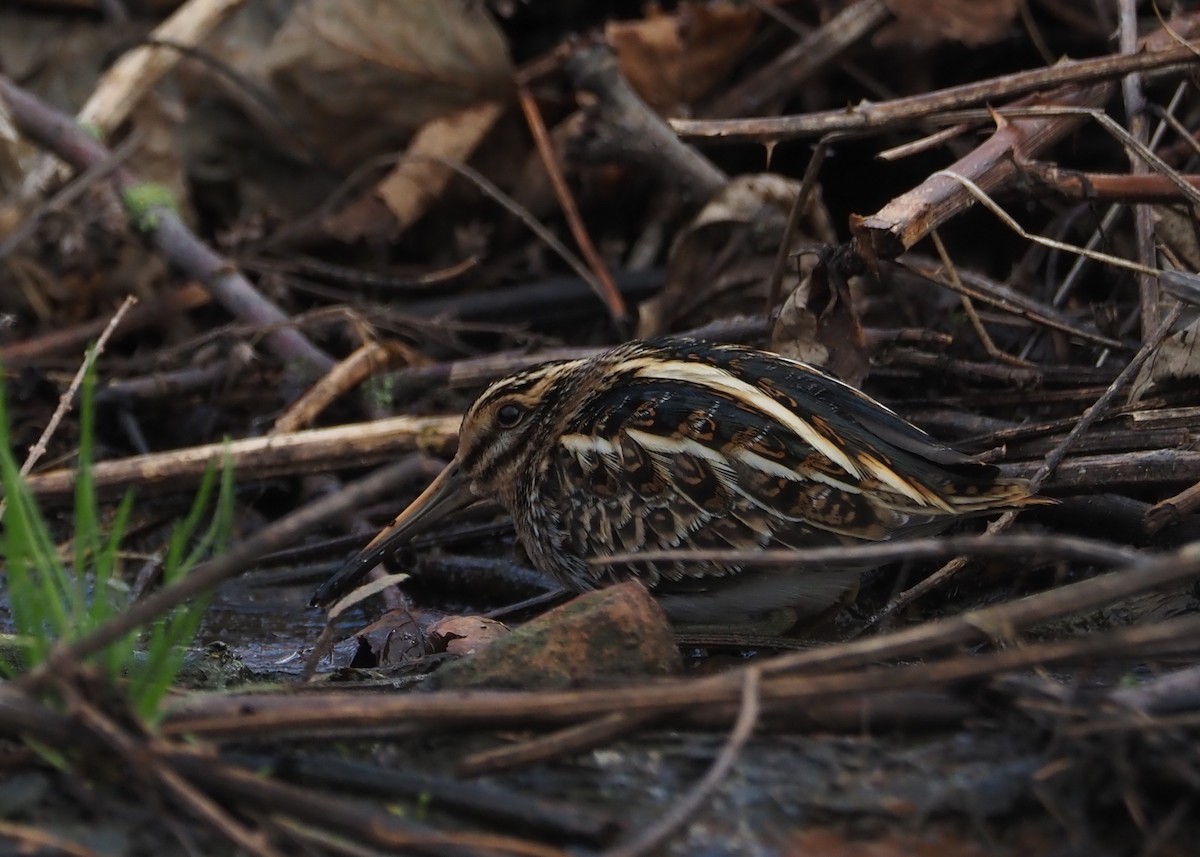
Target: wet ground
[{"x": 999, "y": 786}]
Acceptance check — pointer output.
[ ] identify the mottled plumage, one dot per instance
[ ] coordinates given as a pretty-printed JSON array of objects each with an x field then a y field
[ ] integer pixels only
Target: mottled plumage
[{"x": 678, "y": 443}]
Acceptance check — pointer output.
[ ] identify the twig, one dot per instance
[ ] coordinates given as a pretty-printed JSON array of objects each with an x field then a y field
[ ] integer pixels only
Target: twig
[
  {"x": 799, "y": 204},
  {"x": 493, "y": 191},
  {"x": 1143, "y": 217},
  {"x": 1100, "y": 407},
  {"x": 555, "y": 745},
  {"x": 1096, "y": 410},
  {"x": 71, "y": 192},
  {"x": 143, "y": 759},
  {"x": 855, "y": 72},
  {"x": 816, "y": 50},
  {"x": 306, "y": 451},
  {"x": 968, "y": 305},
  {"x": 60, "y": 134},
  {"x": 369, "y": 359},
  {"x": 984, "y": 290},
  {"x": 489, "y": 189},
  {"x": 68, "y": 398},
  {"x": 1009, "y": 617},
  {"x": 990, "y": 204},
  {"x": 493, "y": 803},
  {"x": 138, "y": 71},
  {"x": 26, "y": 839},
  {"x": 906, "y": 111},
  {"x": 236, "y": 365},
  {"x": 993, "y": 164},
  {"x": 627, "y": 128},
  {"x": 271, "y": 718},
  {"x": 1172, "y": 508},
  {"x": 1114, "y": 212},
  {"x": 687, "y": 806},
  {"x": 379, "y": 827},
  {"x": 879, "y": 553},
  {"x": 610, "y": 294},
  {"x": 1086, "y": 186},
  {"x": 148, "y": 313}
]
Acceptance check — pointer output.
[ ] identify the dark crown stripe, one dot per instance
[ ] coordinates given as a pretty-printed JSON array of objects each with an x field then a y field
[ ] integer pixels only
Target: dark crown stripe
[{"x": 539, "y": 391}]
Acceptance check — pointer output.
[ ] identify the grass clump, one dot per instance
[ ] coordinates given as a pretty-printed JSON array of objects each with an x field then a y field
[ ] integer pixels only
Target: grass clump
[{"x": 51, "y": 599}]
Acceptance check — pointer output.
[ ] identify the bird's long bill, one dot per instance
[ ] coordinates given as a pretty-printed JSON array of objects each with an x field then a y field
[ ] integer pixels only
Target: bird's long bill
[{"x": 450, "y": 491}]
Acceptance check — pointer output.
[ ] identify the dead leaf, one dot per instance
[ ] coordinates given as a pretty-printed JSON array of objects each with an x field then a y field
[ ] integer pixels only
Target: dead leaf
[
  {"x": 972, "y": 22},
  {"x": 361, "y": 76},
  {"x": 672, "y": 60},
  {"x": 416, "y": 182},
  {"x": 1178, "y": 358},
  {"x": 721, "y": 264},
  {"x": 465, "y": 635},
  {"x": 393, "y": 639},
  {"x": 1175, "y": 228},
  {"x": 818, "y": 324}
]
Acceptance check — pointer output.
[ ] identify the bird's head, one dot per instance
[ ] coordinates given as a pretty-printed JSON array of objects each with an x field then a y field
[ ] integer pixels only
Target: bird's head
[{"x": 501, "y": 435}]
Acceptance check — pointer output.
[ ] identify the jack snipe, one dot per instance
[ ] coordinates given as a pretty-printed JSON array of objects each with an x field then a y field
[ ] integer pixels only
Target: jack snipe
[{"x": 684, "y": 444}]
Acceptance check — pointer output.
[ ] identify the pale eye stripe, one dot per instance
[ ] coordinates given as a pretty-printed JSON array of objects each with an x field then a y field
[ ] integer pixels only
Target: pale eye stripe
[
  {"x": 751, "y": 396},
  {"x": 889, "y": 477}
]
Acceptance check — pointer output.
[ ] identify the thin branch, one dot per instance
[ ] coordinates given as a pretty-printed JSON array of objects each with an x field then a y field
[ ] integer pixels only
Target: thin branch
[
  {"x": 609, "y": 292},
  {"x": 68, "y": 398},
  {"x": 687, "y": 806},
  {"x": 876, "y": 117},
  {"x": 1096, "y": 410}
]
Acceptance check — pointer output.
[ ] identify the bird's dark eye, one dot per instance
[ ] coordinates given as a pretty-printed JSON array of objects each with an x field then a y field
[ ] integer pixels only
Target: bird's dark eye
[{"x": 509, "y": 415}]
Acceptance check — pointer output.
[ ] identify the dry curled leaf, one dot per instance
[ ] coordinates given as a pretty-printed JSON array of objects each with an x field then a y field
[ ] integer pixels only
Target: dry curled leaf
[
  {"x": 721, "y": 264},
  {"x": 393, "y": 639},
  {"x": 971, "y": 22},
  {"x": 1178, "y": 358},
  {"x": 359, "y": 77},
  {"x": 1175, "y": 228},
  {"x": 674, "y": 59},
  {"x": 465, "y": 635},
  {"x": 818, "y": 324},
  {"x": 417, "y": 181}
]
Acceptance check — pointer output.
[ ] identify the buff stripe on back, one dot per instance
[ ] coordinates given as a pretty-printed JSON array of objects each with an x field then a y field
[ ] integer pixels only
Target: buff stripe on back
[{"x": 749, "y": 396}]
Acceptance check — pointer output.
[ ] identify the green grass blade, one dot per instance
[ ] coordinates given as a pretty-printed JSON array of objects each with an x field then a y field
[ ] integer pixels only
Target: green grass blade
[
  {"x": 33, "y": 571},
  {"x": 168, "y": 639},
  {"x": 87, "y": 537},
  {"x": 50, "y": 601}
]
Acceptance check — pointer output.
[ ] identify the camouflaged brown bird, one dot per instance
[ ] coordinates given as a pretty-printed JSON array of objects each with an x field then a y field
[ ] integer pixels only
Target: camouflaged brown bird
[{"x": 682, "y": 444}]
